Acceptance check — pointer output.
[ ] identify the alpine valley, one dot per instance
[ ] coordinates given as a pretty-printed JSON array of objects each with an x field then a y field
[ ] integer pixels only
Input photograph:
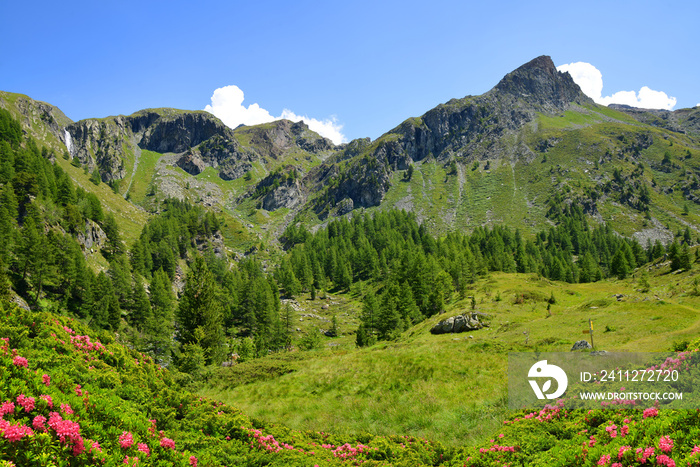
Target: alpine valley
[{"x": 177, "y": 292}]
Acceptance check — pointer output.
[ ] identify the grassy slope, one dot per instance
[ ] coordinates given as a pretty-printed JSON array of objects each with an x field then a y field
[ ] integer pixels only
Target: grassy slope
[
  {"x": 452, "y": 388},
  {"x": 517, "y": 193}
]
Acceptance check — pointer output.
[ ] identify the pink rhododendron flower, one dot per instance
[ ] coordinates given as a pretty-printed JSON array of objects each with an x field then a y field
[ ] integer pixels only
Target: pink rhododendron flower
[
  {"x": 604, "y": 459},
  {"x": 20, "y": 361},
  {"x": 78, "y": 390},
  {"x": 612, "y": 430},
  {"x": 7, "y": 407},
  {"x": 66, "y": 409},
  {"x": 666, "y": 444},
  {"x": 650, "y": 412},
  {"x": 16, "y": 432},
  {"x": 143, "y": 447},
  {"x": 38, "y": 423},
  {"x": 46, "y": 379},
  {"x": 167, "y": 443},
  {"x": 193, "y": 461},
  {"x": 26, "y": 402},
  {"x": 126, "y": 440}
]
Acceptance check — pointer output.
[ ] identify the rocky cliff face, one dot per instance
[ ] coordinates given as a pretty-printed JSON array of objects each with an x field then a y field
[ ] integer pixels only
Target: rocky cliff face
[
  {"x": 468, "y": 129},
  {"x": 104, "y": 143},
  {"x": 179, "y": 132},
  {"x": 201, "y": 139},
  {"x": 541, "y": 86}
]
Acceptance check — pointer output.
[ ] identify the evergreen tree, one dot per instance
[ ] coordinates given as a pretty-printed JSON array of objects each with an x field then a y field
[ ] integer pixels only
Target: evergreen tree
[
  {"x": 159, "y": 324},
  {"x": 140, "y": 307},
  {"x": 200, "y": 309},
  {"x": 113, "y": 245},
  {"x": 618, "y": 265},
  {"x": 674, "y": 254},
  {"x": 388, "y": 322}
]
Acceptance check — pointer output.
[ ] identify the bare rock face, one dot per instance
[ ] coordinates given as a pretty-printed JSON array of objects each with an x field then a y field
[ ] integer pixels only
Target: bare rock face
[
  {"x": 191, "y": 163},
  {"x": 104, "y": 143},
  {"x": 93, "y": 238},
  {"x": 540, "y": 84},
  {"x": 288, "y": 195}
]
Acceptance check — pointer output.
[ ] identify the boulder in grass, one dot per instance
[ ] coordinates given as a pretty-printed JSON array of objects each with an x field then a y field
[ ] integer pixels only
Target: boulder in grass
[{"x": 581, "y": 345}]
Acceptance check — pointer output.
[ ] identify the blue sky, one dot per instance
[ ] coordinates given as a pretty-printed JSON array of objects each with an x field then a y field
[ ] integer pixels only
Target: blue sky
[{"x": 361, "y": 67}]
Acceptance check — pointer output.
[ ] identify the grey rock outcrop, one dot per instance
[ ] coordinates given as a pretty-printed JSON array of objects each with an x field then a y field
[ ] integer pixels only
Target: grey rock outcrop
[
  {"x": 288, "y": 195},
  {"x": 459, "y": 323},
  {"x": 93, "y": 238},
  {"x": 581, "y": 345}
]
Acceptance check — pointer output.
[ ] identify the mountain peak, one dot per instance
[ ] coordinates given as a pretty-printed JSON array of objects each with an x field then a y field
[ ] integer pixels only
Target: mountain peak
[{"x": 539, "y": 83}]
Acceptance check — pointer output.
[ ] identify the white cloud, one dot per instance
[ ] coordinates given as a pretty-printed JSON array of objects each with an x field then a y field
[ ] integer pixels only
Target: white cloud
[
  {"x": 227, "y": 104},
  {"x": 590, "y": 79},
  {"x": 329, "y": 128}
]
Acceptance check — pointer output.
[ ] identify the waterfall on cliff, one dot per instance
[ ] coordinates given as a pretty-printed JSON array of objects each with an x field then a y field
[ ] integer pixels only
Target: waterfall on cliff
[{"x": 69, "y": 142}]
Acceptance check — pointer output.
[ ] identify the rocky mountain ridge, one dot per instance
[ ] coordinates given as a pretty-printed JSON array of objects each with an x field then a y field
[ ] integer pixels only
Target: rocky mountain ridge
[{"x": 507, "y": 156}]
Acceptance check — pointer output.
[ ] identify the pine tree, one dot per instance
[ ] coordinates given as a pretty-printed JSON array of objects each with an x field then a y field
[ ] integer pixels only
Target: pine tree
[
  {"x": 140, "y": 307},
  {"x": 388, "y": 321},
  {"x": 200, "y": 308},
  {"x": 618, "y": 265},
  {"x": 674, "y": 254},
  {"x": 113, "y": 245},
  {"x": 159, "y": 324}
]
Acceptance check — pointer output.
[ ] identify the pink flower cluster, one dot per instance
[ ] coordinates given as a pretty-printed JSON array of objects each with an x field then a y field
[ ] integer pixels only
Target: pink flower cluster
[
  {"x": 497, "y": 448},
  {"x": 167, "y": 443},
  {"x": 26, "y": 402},
  {"x": 612, "y": 430},
  {"x": 46, "y": 380},
  {"x": 644, "y": 454},
  {"x": 67, "y": 431},
  {"x": 20, "y": 361},
  {"x": 193, "y": 461},
  {"x": 143, "y": 447},
  {"x": 126, "y": 440},
  {"x": 39, "y": 423},
  {"x": 679, "y": 363},
  {"x": 547, "y": 414},
  {"x": 347, "y": 451},
  {"x": 666, "y": 444},
  {"x": 269, "y": 443},
  {"x": 650, "y": 412},
  {"x": 14, "y": 433},
  {"x": 84, "y": 344},
  {"x": 7, "y": 408},
  {"x": 663, "y": 459}
]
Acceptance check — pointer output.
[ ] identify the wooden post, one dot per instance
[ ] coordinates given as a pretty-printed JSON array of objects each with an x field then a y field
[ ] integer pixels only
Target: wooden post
[{"x": 590, "y": 331}]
